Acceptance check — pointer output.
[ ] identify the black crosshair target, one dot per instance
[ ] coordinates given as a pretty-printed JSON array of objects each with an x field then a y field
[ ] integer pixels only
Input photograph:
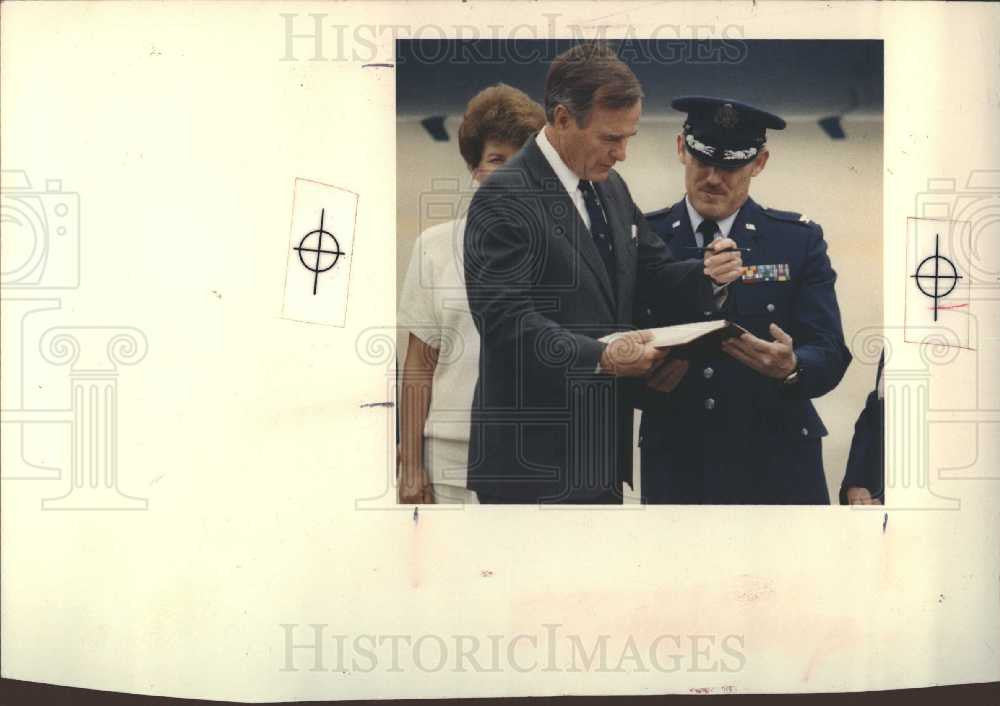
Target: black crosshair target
[
  {"x": 944, "y": 276},
  {"x": 320, "y": 258}
]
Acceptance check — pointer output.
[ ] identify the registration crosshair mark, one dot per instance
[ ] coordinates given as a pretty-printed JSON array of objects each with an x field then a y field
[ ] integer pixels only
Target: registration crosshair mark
[
  {"x": 321, "y": 264},
  {"x": 936, "y": 260}
]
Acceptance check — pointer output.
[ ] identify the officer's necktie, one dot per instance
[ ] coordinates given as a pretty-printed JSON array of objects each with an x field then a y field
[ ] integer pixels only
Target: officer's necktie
[
  {"x": 599, "y": 228},
  {"x": 708, "y": 229}
]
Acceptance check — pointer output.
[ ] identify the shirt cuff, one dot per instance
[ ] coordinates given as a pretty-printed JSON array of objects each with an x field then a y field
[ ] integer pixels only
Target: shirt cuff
[
  {"x": 606, "y": 340},
  {"x": 719, "y": 294}
]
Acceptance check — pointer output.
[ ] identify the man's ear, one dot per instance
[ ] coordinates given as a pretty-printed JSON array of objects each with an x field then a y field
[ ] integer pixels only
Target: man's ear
[
  {"x": 681, "y": 149},
  {"x": 561, "y": 117},
  {"x": 758, "y": 164}
]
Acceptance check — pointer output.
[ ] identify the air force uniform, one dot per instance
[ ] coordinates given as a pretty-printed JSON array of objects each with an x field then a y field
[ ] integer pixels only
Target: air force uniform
[{"x": 727, "y": 434}]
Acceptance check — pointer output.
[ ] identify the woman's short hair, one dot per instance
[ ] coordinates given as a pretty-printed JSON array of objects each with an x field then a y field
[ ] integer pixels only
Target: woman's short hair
[{"x": 501, "y": 113}]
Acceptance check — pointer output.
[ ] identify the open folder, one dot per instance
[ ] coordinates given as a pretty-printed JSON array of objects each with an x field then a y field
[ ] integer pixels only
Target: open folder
[{"x": 699, "y": 338}]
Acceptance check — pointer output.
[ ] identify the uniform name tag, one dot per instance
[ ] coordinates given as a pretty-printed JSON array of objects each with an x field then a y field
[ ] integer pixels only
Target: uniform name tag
[{"x": 766, "y": 273}]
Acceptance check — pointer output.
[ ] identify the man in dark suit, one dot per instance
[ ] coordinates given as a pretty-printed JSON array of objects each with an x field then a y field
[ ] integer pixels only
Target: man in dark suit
[
  {"x": 740, "y": 428},
  {"x": 555, "y": 249}
]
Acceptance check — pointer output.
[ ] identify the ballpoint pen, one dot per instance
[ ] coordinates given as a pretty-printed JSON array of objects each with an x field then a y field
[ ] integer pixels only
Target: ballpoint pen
[{"x": 699, "y": 249}]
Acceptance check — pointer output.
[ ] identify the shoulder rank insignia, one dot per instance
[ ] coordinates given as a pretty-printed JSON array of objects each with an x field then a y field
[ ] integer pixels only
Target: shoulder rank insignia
[
  {"x": 675, "y": 224},
  {"x": 751, "y": 226},
  {"x": 766, "y": 273},
  {"x": 787, "y": 216}
]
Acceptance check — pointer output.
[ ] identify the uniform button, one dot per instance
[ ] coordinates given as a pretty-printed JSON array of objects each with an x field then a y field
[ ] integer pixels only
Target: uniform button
[
  {"x": 708, "y": 372},
  {"x": 805, "y": 432},
  {"x": 649, "y": 312},
  {"x": 770, "y": 307},
  {"x": 709, "y": 403},
  {"x": 708, "y": 313}
]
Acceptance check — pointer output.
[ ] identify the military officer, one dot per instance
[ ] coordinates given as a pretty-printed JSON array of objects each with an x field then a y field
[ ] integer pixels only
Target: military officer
[{"x": 741, "y": 428}]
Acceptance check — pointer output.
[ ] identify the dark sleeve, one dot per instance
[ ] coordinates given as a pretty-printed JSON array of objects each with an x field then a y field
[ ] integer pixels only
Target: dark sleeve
[
  {"x": 504, "y": 261},
  {"x": 865, "y": 464},
  {"x": 643, "y": 397},
  {"x": 816, "y": 329},
  {"x": 677, "y": 290}
]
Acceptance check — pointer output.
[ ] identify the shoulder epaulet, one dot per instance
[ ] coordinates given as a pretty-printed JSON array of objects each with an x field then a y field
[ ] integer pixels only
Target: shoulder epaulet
[
  {"x": 786, "y": 216},
  {"x": 658, "y": 213}
]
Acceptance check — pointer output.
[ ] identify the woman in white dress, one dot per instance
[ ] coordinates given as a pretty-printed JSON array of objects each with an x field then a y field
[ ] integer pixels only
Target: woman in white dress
[{"x": 442, "y": 356}]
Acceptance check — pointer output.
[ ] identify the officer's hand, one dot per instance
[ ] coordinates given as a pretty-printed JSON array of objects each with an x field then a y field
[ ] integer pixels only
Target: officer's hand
[
  {"x": 630, "y": 354},
  {"x": 857, "y": 495},
  {"x": 775, "y": 360},
  {"x": 667, "y": 375},
  {"x": 723, "y": 267}
]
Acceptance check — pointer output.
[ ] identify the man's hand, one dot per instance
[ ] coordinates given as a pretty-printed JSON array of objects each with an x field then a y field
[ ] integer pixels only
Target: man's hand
[
  {"x": 857, "y": 495},
  {"x": 667, "y": 375},
  {"x": 723, "y": 267},
  {"x": 775, "y": 360},
  {"x": 414, "y": 486},
  {"x": 630, "y": 354}
]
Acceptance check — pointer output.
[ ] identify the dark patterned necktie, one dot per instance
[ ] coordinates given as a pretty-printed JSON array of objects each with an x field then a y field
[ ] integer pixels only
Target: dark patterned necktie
[
  {"x": 599, "y": 228},
  {"x": 708, "y": 229}
]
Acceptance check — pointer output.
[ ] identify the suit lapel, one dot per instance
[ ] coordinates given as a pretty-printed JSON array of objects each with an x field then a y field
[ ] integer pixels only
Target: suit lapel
[
  {"x": 681, "y": 233},
  {"x": 620, "y": 222},
  {"x": 564, "y": 219}
]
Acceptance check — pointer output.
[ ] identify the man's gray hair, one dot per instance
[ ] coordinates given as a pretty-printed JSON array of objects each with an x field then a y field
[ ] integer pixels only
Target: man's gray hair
[{"x": 589, "y": 74}]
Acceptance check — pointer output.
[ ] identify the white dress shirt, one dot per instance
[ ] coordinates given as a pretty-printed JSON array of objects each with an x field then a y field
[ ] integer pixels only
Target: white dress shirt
[
  {"x": 725, "y": 225},
  {"x": 569, "y": 180}
]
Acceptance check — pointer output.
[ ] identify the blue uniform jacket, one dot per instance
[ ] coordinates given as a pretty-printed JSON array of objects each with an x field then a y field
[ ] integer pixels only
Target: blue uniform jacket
[{"x": 726, "y": 434}]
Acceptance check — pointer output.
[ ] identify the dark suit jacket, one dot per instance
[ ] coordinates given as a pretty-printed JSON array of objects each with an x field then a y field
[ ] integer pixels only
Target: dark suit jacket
[
  {"x": 546, "y": 427},
  {"x": 866, "y": 462},
  {"x": 727, "y": 434}
]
